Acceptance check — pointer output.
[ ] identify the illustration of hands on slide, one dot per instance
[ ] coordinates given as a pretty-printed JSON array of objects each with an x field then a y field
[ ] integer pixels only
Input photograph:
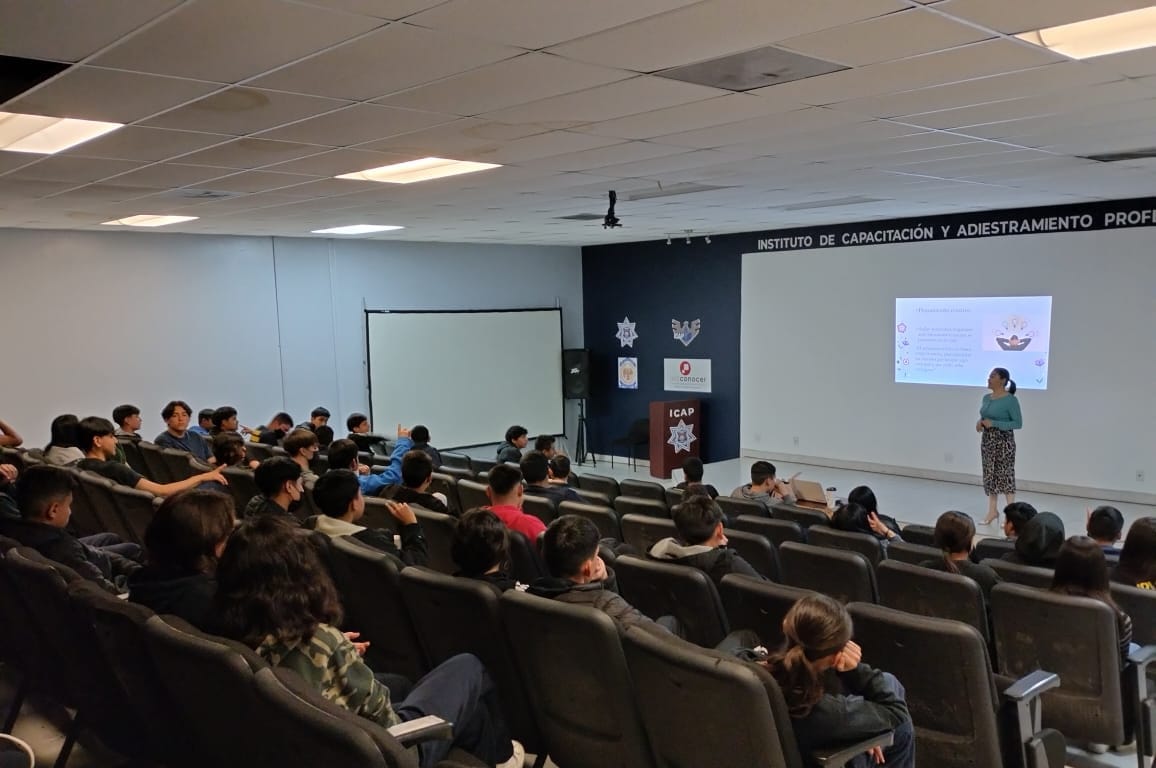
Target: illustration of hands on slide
[{"x": 957, "y": 341}]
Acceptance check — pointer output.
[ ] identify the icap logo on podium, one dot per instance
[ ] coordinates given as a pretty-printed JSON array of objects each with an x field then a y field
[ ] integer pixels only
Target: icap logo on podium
[
  {"x": 628, "y": 373},
  {"x": 686, "y": 331},
  {"x": 681, "y": 436}
]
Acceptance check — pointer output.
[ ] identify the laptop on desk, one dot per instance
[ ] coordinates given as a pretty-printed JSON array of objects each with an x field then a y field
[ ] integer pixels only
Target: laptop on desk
[{"x": 808, "y": 490}]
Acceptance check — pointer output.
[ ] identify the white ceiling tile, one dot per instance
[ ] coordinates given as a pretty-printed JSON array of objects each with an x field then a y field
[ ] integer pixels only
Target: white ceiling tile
[
  {"x": 339, "y": 161},
  {"x": 761, "y": 128},
  {"x": 227, "y": 41},
  {"x": 87, "y": 93},
  {"x": 715, "y": 28},
  {"x": 980, "y": 114},
  {"x": 699, "y": 114},
  {"x": 382, "y": 9},
  {"x": 145, "y": 144},
  {"x": 169, "y": 176},
  {"x": 392, "y": 59},
  {"x": 591, "y": 159},
  {"x": 241, "y": 111},
  {"x": 356, "y": 125},
  {"x": 508, "y": 83},
  {"x": 1015, "y": 16},
  {"x": 64, "y": 30},
  {"x": 1132, "y": 63},
  {"x": 894, "y": 36},
  {"x": 256, "y": 181},
  {"x": 456, "y": 140},
  {"x": 537, "y": 24},
  {"x": 662, "y": 166},
  {"x": 251, "y": 153},
  {"x": 539, "y": 145},
  {"x": 79, "y": 170},
  {"x": 606, "y": 102}
]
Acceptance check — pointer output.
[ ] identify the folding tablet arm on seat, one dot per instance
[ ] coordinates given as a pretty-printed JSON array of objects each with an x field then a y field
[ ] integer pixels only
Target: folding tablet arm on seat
[
  {"x": 840, "y": 756},
  {"x": 1039, "y": 748},
  {"x": 422, "y": 729},
  {"x": 1145, "y": 702}
]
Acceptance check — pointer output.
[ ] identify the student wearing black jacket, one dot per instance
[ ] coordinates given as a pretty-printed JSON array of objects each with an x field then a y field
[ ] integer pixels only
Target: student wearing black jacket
[
  {"x": 818, "y": 632},
  {"x": 338, "y": 495},
  {"x": 481, "y": 549},
  {"x": 702, "y": 542},
  {"x": 416, "y": 475}
]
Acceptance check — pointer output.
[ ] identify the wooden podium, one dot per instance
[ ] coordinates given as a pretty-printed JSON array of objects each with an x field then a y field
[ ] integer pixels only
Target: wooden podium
[{"x": 675, "y": 434}]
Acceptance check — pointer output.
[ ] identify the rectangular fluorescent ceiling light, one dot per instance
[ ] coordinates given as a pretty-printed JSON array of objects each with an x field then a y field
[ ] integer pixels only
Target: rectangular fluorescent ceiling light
[
  {"x": 418, "y": 170},
  {"x": 150, "y": 220},
  {"x": 1120, "y": 32},
  {"x": 357, "y": 229},
  {"x": 42, "y": 135}
]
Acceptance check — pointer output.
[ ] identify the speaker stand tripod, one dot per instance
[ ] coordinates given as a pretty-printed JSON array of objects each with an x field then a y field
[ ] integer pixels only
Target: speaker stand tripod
[{"x": 580, "y": 446}]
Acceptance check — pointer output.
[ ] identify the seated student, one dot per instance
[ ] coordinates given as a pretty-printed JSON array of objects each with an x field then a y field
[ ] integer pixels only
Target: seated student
[
  {"x": 318, "y": 417},
  {"x": 9, "y": 437},
  {"x": 416, "y": 476},
  {"x": 764, "y": 487},
  {"x": 536, "y": 472},
  {"x": 1016, "y": 516},
  {"x": 127, "y": 421},
  {"x": 224, "y": 420},
  {"x": 302, "y": 446},
  {"x": 177, "y": 435},
  {"x": 954, "y": 533},
  {"x": 1105, "y": 525},
  {"x": 279, "y": 480},
  {"x": 702, "y": 542},
  {"x": 359, "y": 432},
  {"x": 324, "y": 436},
  {"x": 1081, "y": 569},
  {"x": 98, "y": 437},
  {"x": 8, "y": 507},
  {"x": 560, "y": 470},
  {"x": 516, "y": 439},
  {"x": 343, "y": 455},
  {"x": 855, "y": 518},
  {"x": 338, "y": 496},
  {"x": 183, "y": 543},
  {"x": 275, "y": 596},
  {"x": 504, "y": 488},
  {"x": 865, "y": 497},
  {"x": 229, "y": 451},
  {"x": 274, "y": 432},
  {"x": 818, "y": 641},
  {"x": 1137, "y": 566},
  {"x": 481, "y": 549},
  {"x": 421, "y": 438},
  {"x": 45, "y": 501},
  {"x": 544, "y": 444},
  {"x": 62, "y": 449},
  {"x": 204, "y": 425},
  {"x": 1039, "y": 541},
  {"x": 692, "y": 470}
]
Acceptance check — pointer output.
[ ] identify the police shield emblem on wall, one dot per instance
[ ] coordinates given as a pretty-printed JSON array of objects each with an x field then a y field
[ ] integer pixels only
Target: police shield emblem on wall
[{"x": 686, "y": 331}]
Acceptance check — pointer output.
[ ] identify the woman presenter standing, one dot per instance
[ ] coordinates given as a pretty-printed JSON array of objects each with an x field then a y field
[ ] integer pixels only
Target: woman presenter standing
[{"x": 999, "y": 416}]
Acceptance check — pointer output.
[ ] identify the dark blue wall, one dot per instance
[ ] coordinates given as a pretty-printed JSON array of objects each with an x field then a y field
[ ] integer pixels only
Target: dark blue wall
[{"x": 653, "y": 283}]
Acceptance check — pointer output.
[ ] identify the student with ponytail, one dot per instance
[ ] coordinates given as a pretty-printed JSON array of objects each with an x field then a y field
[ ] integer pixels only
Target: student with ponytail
[
  {"x": 999, "y": 417},
  {"x": 818, "y": 640},
  {"x": 954, "y": 533}
]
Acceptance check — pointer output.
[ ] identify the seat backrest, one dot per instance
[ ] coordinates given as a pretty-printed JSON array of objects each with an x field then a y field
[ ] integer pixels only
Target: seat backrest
[
  {"x": 642, "y": 489},
  {"x": 602, "y": 516},
  {"x": 242, "y": 486},
  {"x": 599, "y": 484},
  {"x": 757, "y": 550},
  {"x": 992, "y": 548},
  {"x": 596, "y": 498},
  {"x": 526, "y": 564},
  {"x": 668, "y": 589},
  {"x": 776, "y": 531},
  {"x": 843, "y": 575},
  {"x": 1028, "y": 575},
  {"x": 300, "y": 732},
  {"x": 369, "y": 581},
  {"x": 540, "y": 507},
  {"x": 673, "y": 496},
  {"x": 864, "y": 543},
  {"x": 133, "y": 457},
  {"x": 688, "y": 697},
  {"x": 804, "y": 517},
  {"x": 919, "y": 534},
  {"x": 587, "y": 719},
  {"x": 455, "y": 615},
  {"x": 457, "y": 473},
  {"x": 906, "y": 552},
  {"x": 158, "y": 469},
  {"x": 178, "y": 464},
  {"x": 1074, "y": 637},
  {"x": 482, "y": 465},
  {"x": 94, "y": 508},
  {"x": 950, "y": 691},
  {"x": 21, "y": 643},
  {"x": 456, "y": 460},
  {"x": 759, "y": 606},
  {"x": 259, "y": 451},
  {"x": 472, "y": 494},
  {"x": 734, "y": 507},
  {"x": 926, "y": 592},
  {"x": 634, "y": 505},
  {"x": 642, "y": 531},
  {"x": 438, "y": 529},
  {"x": 135, "y": 508},
  {"x": 447, "y": 485},
  {"x": 377, "y": 515},
  {"x": 1140, "y": 605}
]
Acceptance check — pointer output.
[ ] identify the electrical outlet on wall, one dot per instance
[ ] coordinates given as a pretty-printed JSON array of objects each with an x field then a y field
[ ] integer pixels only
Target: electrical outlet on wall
[
  {"x": 796, "y": 440},
  {"x": 948, "y": 457},
  {"x": 757, "y": 437}
]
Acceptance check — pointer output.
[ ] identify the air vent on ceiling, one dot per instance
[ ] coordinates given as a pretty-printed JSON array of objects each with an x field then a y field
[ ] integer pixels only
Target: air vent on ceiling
[
  {"x": 583, "y": 217},
  {"x": 199, "y": 194},
  {"x": 833, "y": 202},
  {"x": 752, "y": 69},
  {"x": 1119, "y": 157},
  {"x": 685, "y": 188}
]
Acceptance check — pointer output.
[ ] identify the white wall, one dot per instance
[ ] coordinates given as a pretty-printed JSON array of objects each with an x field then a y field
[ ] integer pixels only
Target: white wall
[
  {"x": 817, "y": 359},
  {"x": 89, "y": 320}
]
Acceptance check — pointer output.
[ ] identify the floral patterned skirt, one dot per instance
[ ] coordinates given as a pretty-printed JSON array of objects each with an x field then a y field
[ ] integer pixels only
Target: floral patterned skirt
[{"x": 998, "y": 452}]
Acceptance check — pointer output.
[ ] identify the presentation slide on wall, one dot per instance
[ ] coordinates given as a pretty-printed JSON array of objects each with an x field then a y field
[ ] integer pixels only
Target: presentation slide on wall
[{"x": 957, "y": 341}]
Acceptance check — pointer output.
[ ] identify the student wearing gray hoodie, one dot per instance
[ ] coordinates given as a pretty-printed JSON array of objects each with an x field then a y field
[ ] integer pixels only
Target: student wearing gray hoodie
[
  {"x": 702, "y": 542},
  {"x": 764, "y": 487}
]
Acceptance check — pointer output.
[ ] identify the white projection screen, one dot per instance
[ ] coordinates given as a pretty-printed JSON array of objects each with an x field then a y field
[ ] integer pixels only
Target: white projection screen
[{"x": 467, "y": 375}]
